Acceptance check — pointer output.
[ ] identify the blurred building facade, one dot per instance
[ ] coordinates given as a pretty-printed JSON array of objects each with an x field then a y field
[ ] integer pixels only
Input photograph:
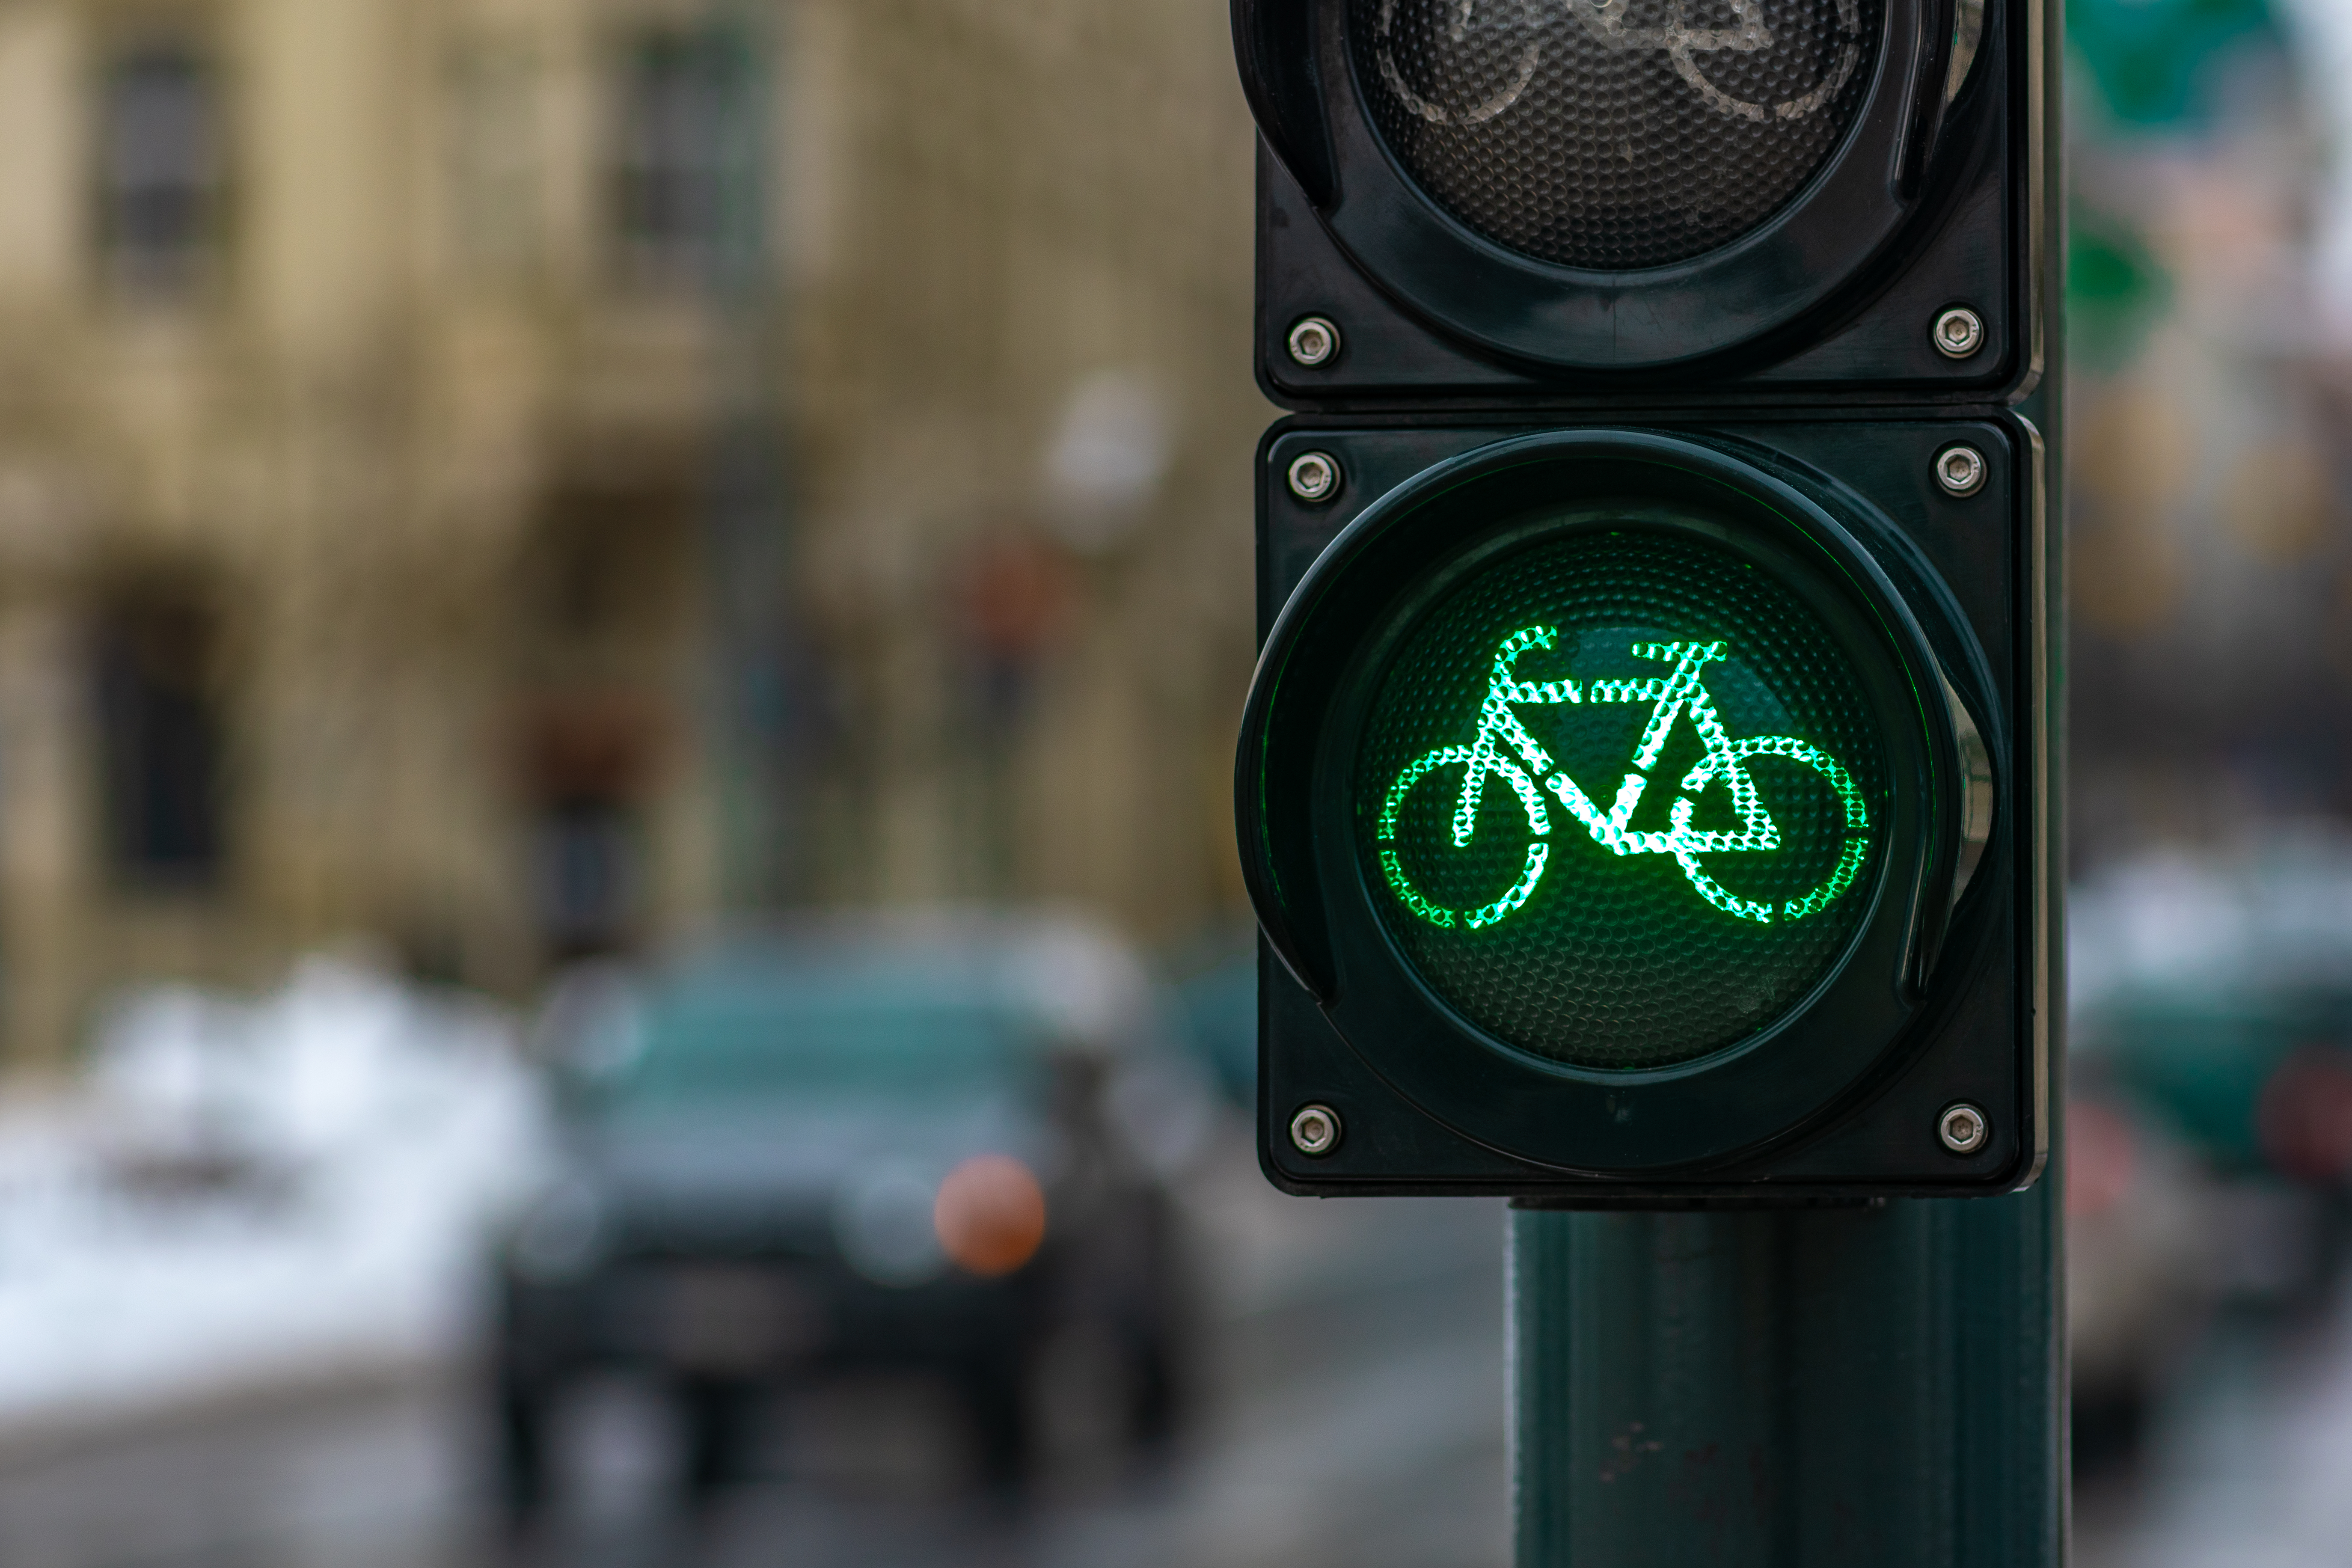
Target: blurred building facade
[
  {"x": 2210, "y": 446},
  {"x": 521, "y": 477}
]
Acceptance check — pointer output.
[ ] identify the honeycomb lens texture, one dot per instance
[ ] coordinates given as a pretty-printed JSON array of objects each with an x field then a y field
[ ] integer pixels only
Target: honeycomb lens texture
[
  {"x": 1614, "y": 136},
  {"x": 1620, "y": 798}
]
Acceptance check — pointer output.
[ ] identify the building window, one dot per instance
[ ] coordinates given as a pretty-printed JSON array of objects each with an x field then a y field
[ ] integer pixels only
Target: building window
[
  {"x": 160, "y": 741},
  {"x": 686, "y": 204},
  {"x": 591, "y": 755},
  {"x": 162, "y": 165},
  {"x": 588, "y": 872}
]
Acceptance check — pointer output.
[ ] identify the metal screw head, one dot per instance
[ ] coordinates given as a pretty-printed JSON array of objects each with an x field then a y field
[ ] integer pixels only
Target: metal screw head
[
  {"x": 1959, "y": 332},
  {"x": 1960, "y": 470},
  {"x": 1315, "y": 1130},
  {"x": 1315, "y": 476},
  {"x": 1963, "y": 1129},
  {"x": 1314, "y": 340}
]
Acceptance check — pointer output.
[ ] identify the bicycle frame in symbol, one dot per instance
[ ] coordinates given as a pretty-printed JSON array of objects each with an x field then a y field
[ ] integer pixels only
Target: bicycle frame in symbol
[{"x": 1504, "y": 750}]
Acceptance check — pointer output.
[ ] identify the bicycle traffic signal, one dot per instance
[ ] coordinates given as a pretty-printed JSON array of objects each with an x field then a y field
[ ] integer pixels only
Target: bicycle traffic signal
[{"x": 1643, "y": 789}]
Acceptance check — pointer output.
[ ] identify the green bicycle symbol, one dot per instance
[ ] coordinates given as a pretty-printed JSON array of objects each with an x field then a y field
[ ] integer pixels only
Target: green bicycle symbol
[{"x": 1504, "y": 750}]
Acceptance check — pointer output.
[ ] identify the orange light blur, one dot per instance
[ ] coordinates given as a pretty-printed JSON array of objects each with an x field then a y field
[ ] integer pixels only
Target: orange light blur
[{"x": 991, "y": 1215}]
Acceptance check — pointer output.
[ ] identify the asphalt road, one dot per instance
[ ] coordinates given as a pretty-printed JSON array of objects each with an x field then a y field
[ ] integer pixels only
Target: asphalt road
[
  {"x": 2249, "y": 1462},
  {"x": 1354, "y": 1416}
]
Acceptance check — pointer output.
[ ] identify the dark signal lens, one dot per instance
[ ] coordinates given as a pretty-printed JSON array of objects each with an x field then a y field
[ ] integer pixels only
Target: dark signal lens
[
  {"x": 1620, "y": 797},
  {"x": 1620, "y": 135}
]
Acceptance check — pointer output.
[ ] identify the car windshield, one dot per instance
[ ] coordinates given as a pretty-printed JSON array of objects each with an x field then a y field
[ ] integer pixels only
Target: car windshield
[{"x": 706, "y": 1045}]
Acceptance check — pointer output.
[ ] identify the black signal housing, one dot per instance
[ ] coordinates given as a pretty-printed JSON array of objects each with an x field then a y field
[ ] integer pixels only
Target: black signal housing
[
  {"x": 1933, "y": 199},
  {"x": 1775, "y": 402}
]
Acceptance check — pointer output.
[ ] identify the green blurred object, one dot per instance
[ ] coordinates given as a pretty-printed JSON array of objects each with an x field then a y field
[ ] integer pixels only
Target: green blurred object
[
  {"x": 2200, "y": 1058},
  {"x": 2150, "y": 60},
  {"x": 2116, "y": 289},
  {"x": 1220, "y": 1013},
  {"x": 746, "y": 1048}
]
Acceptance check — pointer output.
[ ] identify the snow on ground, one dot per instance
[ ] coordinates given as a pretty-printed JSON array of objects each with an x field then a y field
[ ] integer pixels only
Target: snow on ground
[{"x": 244, "y": 1194}]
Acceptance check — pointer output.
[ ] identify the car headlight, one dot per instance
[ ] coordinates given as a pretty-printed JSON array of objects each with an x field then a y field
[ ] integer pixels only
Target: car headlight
[
  {"x": 882, "y": 1217},
  {"x": 563, "y": 1237}
]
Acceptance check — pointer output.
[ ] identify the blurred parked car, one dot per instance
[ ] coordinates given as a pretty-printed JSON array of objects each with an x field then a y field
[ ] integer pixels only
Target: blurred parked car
[
  {"x": 1219, "y": 1001},
  {"x": 2141, "y": 1269},
  {"x": 2215, "y": 992},
  {"x": 925, "y": 1143}
]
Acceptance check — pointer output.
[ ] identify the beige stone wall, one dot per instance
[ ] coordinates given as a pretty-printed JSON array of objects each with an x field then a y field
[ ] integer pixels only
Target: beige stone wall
[
  {"x": 417, "y": 398},
  {"x": 1067, "y": 195}
]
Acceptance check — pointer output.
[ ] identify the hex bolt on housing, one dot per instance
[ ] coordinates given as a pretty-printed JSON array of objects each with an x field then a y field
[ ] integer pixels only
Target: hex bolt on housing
[
  {"x": 1315, "y": 476},
  {"x": 1960, "y": 470},
  {"x": 1315, "y": 1130},
  {"x": 1963, "y": 1129},
  {"x": 1314, "y": 340},
  {"x": 1959, "y": 332}
]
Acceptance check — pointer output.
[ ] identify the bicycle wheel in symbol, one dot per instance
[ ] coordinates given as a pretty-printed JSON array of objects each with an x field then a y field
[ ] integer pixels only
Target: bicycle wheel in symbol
[{"x": 1504, "y": 749}]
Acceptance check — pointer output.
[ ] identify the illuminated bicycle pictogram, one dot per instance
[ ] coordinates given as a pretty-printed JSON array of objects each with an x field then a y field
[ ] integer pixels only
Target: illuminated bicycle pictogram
[
  {"x": 1606, "y": 21},
  {"x": 1504, "y": 749}
]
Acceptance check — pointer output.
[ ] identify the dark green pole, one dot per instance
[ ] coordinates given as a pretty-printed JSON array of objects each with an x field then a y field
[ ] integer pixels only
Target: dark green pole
[{"x": 1874, "y": 1385}]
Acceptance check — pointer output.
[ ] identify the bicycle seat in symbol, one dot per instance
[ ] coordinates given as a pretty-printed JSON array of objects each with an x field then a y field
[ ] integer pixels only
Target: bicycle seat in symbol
[{"x": 1506, "y": 752}]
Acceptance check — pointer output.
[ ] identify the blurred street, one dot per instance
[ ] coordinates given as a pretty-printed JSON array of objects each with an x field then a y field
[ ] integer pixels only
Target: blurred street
[
  {"x": 2248, "y": 1463},
  {"x": 1354, "y": 1415}
]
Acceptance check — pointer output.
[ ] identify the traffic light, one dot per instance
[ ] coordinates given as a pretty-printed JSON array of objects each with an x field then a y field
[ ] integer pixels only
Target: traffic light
[{"x": 1644, "y": 787}]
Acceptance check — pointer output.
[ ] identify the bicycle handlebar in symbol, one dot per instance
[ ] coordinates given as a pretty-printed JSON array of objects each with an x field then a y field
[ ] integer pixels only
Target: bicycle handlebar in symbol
[{"x": 1504, "y": 750}]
